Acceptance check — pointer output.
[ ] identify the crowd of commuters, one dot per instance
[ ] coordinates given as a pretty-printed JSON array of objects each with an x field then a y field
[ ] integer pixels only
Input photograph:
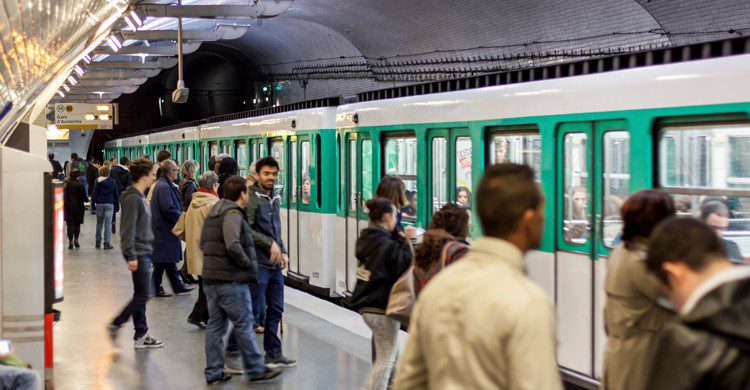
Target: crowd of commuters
[{"x": 675, "y": 298}]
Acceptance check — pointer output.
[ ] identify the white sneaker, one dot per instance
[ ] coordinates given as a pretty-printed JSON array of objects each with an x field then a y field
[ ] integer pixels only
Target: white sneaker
[{"x": 146, "y": 341}]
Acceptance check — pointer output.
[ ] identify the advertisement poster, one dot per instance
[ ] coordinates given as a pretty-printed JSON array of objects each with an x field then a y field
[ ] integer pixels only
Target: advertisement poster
[{"x": 58, "y": 241}]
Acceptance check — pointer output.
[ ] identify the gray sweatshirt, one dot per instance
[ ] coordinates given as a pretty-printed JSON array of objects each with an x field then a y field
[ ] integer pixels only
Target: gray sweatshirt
[{"x": 136, "y": 237}]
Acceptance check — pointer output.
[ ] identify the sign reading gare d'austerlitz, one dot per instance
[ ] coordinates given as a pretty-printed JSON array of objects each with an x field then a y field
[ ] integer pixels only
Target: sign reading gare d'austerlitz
[{"x": 83, "y": 116}]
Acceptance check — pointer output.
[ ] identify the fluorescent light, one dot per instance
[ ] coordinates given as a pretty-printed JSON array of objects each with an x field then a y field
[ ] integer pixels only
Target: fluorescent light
[
  {"x": 87, "y": 59},
  {"x": 103, "y": 107},
  {"x": 89, "y": 117},
  {"x": 129, "y": 23},
  {"x": 72, "y": 80},
  {"x": 136, "y": 19},
  {"x": 61, "y": 93},
  {"x": 104, "y": 117},
  {"x": 65, "y": 86},
  {"x": 112, "y": 45},
  {"x": 117, "y": 41},
  {"x": 79, "y": 70}
]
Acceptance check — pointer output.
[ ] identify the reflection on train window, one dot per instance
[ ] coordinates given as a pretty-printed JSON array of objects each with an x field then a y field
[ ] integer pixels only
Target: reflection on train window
[
  {"x": 367, "y": 192},
  {"x": 214, "y": 148},
  {"x": 306, "y": 184},
  {"x": 615, "y": 183},
  {"x": 463, "y": 172},
  {"x": 401, "y": 161},
  {"x": 277, "y": 152},
  {"x": 439, "y": 163},
  {"x": 699, "y": 166},
  {"x": 205, "y": 157},
  {"x": 240, "y": 151},
  {"x": 293, "y": 171},
  {"x": 575, "y": 167},
  {"x": 254, "y": 155},
  {"x": 517, "y": 148},
  {"x": 353, "y": 196}
]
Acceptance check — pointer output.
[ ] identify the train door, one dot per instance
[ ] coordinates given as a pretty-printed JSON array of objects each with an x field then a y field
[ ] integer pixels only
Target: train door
[
  {"x": 450, "y": 176},
  {"x": 359, "y": 188},
  {"x": 278, "y": 152},
  {"x": 293, "y": 218},
  {"x": 593, "y": 183},
  {"x": 240, "y": 153}
]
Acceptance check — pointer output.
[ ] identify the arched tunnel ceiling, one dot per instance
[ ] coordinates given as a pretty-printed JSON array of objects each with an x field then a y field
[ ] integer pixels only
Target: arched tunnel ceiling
[{"x": 377, "y": 43}]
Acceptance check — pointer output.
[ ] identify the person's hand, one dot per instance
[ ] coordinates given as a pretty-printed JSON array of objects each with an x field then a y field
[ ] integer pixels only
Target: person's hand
[
  {"x": 411, "y": 232},
  {"x": 402, "y": 234},
  {"x": 133, "y": 265},
  {"x": 275, "y": 254},
  {"x": 284, "y": 260}
]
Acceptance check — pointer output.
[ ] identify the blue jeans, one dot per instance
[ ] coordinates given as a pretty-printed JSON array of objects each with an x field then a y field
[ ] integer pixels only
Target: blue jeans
[
  {"x": 141, "y": 293},
  {"x": 268, "y": 297},
  {"x": 230, "y": 301},
  {"x": 104, "y": 212}
]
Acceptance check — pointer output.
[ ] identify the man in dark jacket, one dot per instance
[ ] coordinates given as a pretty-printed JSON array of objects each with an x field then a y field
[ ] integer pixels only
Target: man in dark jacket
[
  {"x": 709, "y": 346},
  {"x": 263, "y": 210},
  {"x": 121, "y": 174},
  {"x": 56, "y": 167},
  {"x": 136, "y": 240},
  {"x": 166, "y": 208},
  {"x": 229, "y": 264},
  {"x": 92, "y": 173}
]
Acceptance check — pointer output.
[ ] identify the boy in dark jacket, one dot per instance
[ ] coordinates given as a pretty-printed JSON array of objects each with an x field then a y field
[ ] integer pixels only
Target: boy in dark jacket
[
  {"x": 708, "y": 346},
  {"x": 263, "y": 210},
  {"x": 136, "y": 240},
  {"x": 121, "y": 174},
  {"x": 229, "y": 264}
]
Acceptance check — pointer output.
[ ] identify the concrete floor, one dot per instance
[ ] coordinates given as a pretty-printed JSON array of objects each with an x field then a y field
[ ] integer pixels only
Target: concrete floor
[{"x": 98, "y": 285}]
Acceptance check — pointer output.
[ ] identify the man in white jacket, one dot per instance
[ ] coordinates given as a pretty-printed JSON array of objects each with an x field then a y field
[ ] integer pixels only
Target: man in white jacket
[{"x": 482, "y": 323}]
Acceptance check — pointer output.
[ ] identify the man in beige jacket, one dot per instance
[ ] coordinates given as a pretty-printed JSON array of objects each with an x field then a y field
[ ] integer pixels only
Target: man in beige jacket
[
  {"x": 482, "y": 323},
  {"x": 189, "y": 230}
]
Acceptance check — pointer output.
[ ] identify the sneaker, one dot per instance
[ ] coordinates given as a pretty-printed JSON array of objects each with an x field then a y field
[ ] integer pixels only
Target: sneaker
[
  {"x": 224, "y": 377},
  {"x": 163, "y": 294},
  {"x": 259, "y": 330},
  {"x": 98, "y": 245},
  {"x": 113, "y": 330},
  {"x": 269, "y": 373},
  {"x": 233, "y": 363},
  {"x": 280, "y": 361},
  {"x": 197, "y": 323},
  {"x": 108, "y": 247},
  {"x": 146, "y": 341},
  {"x": 186, "y": 291}
]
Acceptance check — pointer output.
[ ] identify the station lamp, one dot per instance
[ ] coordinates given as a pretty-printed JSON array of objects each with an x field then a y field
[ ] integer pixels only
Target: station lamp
[
  {"x": 102, "y": 107},
  {"x": 89, "y": 117},
  {"x": 103, "y": 117}
]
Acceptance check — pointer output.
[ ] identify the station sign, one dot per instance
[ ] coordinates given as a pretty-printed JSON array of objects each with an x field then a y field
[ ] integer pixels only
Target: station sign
[{"x": 84, "y": 116}]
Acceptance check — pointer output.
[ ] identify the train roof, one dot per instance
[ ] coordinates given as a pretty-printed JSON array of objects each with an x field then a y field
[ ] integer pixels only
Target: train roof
[
  {"x": 702, "y": 82},
  {"x": 306, "y": 119},
  {"x": 135, "y": 141},
  {"x": 190, "y": 133}
]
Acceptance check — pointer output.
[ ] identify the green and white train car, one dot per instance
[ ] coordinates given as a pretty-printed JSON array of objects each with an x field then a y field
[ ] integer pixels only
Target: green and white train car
[{"x": 592, "y": 140}]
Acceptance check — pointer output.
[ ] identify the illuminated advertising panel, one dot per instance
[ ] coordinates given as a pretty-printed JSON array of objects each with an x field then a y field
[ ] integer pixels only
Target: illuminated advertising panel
[{"x": 58, "y": 241}]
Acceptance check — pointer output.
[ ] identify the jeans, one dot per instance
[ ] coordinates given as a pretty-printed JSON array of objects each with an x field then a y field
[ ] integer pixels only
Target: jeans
[
  {"x": 269, "y": 294},
  {"x": 172, "y": 274},
  {"x": 259, "y": 312},
  {"x": 230, "y": 301},
  {"x": 18, "y": 378},
  {"x": 141, "y": 293},
  {"x": 385, "y": 336},
  {"x": 104, "y": 212}
]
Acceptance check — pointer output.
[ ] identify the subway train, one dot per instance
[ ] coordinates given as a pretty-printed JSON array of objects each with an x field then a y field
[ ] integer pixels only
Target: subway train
[{"x": 591, "y": 139}]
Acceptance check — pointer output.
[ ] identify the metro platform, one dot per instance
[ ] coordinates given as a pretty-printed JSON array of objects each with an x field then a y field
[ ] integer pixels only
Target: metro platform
[{"x": 330, "y": 343}]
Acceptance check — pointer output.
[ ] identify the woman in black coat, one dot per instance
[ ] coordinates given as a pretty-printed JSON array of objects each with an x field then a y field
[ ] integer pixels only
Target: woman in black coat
[{"x": 74, "y": 196}]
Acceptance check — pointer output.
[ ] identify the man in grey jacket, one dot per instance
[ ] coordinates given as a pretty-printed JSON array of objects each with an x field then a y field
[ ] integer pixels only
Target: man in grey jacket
[
  {"x": 229, "y": 264},
  {"x": 136, "y": 241}
]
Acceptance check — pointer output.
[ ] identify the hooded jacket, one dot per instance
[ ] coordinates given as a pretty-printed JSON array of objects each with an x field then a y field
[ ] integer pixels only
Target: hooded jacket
[
  {"x": 105, "y": 192},
  {"x": 136, "y": 236},
  {"x": 381, "y": 259},
  {"x": 709, "y": 347},
  {"x": 263, "y": 216},
  {"x": 122, "y": 177},
  {"x": 227, "y": 245},
  {"x": 195, "y": 217}
]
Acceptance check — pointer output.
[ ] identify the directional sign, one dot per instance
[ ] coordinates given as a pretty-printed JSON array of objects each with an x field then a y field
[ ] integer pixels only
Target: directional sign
[{"x": 82, "y": 116}]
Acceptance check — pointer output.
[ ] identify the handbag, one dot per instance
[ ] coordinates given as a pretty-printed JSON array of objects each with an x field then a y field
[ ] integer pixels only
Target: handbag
[
  {"x": 179, "y": 228},
  {"x": 402, "y": 297}
]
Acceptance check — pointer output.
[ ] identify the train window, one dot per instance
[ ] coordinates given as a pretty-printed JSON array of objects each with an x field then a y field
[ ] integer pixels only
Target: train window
[
  {"x": 213, "y": 148},
  {"x": 706, "y": 169},
  {"x": 615, "y": 183},
  {"x": 353, "y": 196},
  {"x": 190, "y": 151},
  {"x": 401, "y": 161},
  {"x": 439, "y": 162},
  {"x": 240, "y": 152},
  {"x": 575, "y": 168},
  {"x": 306, "y": 182},
  {"x": 277, "y": 152},
  {"x": 517, "y": 148},
  {"x": 254, "y": 155},
  {"x": 367, "y": 192},
  {"x": 318, "y": 167},
  {"x": 463, "y": 172},
  {"x": 225, "y": 147}
]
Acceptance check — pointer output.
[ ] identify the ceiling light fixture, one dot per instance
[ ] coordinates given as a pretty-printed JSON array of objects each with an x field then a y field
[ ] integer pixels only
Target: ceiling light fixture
[
  {"x": 61, "y": 93},
  {"x": 66, "y": 88},
  {"x": 72, "y": 80},
  {"x": 78, "y": 70},
  {"x": 129, "y": 23},
  {"x": 136, "y": 19},
  {"x": 112, "y": 45}
]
